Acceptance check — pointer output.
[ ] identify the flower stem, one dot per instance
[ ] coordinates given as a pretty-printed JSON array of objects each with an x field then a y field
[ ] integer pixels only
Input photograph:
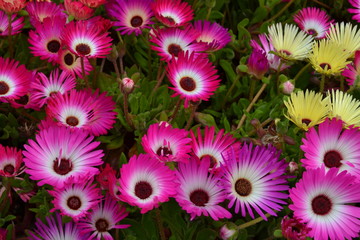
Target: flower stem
[
  {"x": 191, "y": 117},
  {"x": 236, "y": 80},
  {"x": 126, "y": 110},
  {"x": 252, "y": 88},
  {"x": 252, "y": 222},
  {"x": 160, "y": 78},
  {"x": 279, "y": 13},
  {"x": 176, "y": 110},
  {"x": 160, "y": 224},
  {"x": 301, "y": 72},
  {"x": 83, "y": 72},
  {"x": 322, "y": 83}
]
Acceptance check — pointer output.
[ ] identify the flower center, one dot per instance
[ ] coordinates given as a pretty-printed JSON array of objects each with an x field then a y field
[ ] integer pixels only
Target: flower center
[
  {"x": 285, "y": 52},
  {"x": 53, "y": 46},
  {"x": 321, "y": 205},
  {"x": 170, "y": 19},
  {"x": 199, "y": 198},
  {"x": 188, "y": 84},
  {"x": 325, "y": 66},
  {"x": 143, "y": 190},
  {"x": 101, "y": 225},
  {"x": 174, "y": 49},
  {"x": 69, "y": 59},
  {"x": 83, "y": 49},
  {"x": 4, "y": 88},
  {"x": 332, "y": 159},
  {"x": 164, "y": 151},
  {"x": 74, "y": 202},
  {"x": 243, "y": 187},
  {"x": 9, "y": 169},
  {"x": 23, "y": 100},
  {"x": 62, "y": 167},
  {"x": 72, "y": 121},
  {"x": 136, "y": 21},
  {"x": 213, "y": 160},
  {"x": 312, "y": 32},
  {"x": 306, "y": 121}
]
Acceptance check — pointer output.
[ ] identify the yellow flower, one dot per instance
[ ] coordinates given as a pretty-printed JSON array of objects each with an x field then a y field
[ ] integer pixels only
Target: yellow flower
[
  {"x": 307, "y": 109},
  {"x": 290, "y": 43},
  {"x": 346, "y": 35}
]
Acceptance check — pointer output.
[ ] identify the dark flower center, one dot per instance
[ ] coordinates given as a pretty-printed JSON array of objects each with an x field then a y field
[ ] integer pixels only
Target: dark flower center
[
  {"x": 164, "y": 151},
  {"x": 62, "y": 167},
  {"x": 69, "y": 59},
  {"x": 199, "y": 198},
  {"x": 286, "y": 52},
  {"x": 321, "y": 205},
  {"x": 332, "y": 159},
  {"x": 325, "y": 66},
  {"x": 74, "y": 202},
  {"x": 101, "y": 225},
  {"x": 23, "y": 100},
  {"x": 143, "y": 190},
  {"x": 243, "y": 187},
  {"x": 9, "y": 169},
  {"x": 72, "y": 121},
  {"x": 312, "y": 32},
  {"x": 53, "y": 46},
  {"x": 136, "y": 21},
  {"x": 213, "y": 160},
  {"x": 306, "y": 121},
  {"x": 174, "y": 49},
  {"x": 4, "y": 88},
  {"x": 170, "y": 19},
  {"x": 83, "y": 49},
  {"x": 188, "y": 84}
]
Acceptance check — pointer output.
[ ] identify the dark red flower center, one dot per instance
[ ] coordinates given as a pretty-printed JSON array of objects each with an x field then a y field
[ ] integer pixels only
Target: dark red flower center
[
  {"x": 312, "y": 32},
  {"x": 164, "y": 151},
  {"x": 243, "y": 187},
  {"x": 199, "y": 197},
  {"x": 174, "y": 49},
  {"x": 332, "y": 159},
  {"x": 62, "y": 167},
  {"x": 74, "y": 202},
  {"x": 72, "y": 121},
  {"x": 69, "y": 59},
  {"x": 188, "y": 84},
  {"x": 286, "y": 52},
  {"x": 321, "y": 205},
  {"x": 53, "y": 46},
  {"x": 102, "y": 225},
  {"x": 213, "y": 160},
  {"x": 4, "y": 88},
  {"x": 143, "y": 190},
  {"x": 306, "y": 121},
  {"x": 10, "y": 169},
  {"x": 325, "y": 66},
  {"x": 170, "y": 19},
  {"x": 136, "y": 21},
  {"x": 23, "y": 100},
  {"x": 83, "y": 49}
]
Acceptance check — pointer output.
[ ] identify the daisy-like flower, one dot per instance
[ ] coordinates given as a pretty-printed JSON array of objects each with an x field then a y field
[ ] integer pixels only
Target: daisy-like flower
[
  {"x": 193, "y": 78},
  {"x": 173, "y": 13},
  {"x": 102, "y": 219},
  {"x": 313, "y": 21},
  {"x": 78, "y": 9},
  {"x": 38, "y": 11},
  {"x": 27, "y": 101},
  {"x": 355, "y": 10},
  {"x": 16, "y": 25},
  {"x": 333, "y": 147},
  {"x": 146, "y": 182},
  {"x": 343, "y": 106},
  {"x": 70, "y": 63},
  {"x": 352, "y": 71},
  {"x": 14, "y": 79},
  {"x": 307, "y": 109},
  {"x": 54, "y": 229},
  {"x": 43, "y": 87},
  {"x": 324, "y": 201},
  {"x": 199, "y": 192},
  {"x": 45, "y": 39},
  {"x": 253, "y": 178},
  {"x": 292, "y": 228},
  {"x": 170, "y": 42},
  {"x": 210, "y": 146},
  {"x": 289, "y": 42},
  {"x": 11, "y": 160},
  {"x": 132, "y": 16},
  {"x": 328, "y": 57},
  {"x": 12, "y": 6},
  {"x": 213, "y": 35},
  {"x": 86, "y": 40},
  {"x": 59, "y": 153},
  {"x": 75, "y": 198},
  {"x": 346, "y": 35},
  {"x": 166, "y": 143}
]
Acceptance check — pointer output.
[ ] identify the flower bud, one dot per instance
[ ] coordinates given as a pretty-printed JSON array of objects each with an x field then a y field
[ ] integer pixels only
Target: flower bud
[
  {"x": 257, "y": 64},
  {"x": 292, "y": 228},
  {"x": 228, "y": 232},
  {"x": 287, "y": 87},
  {"x": 293, "y": 166},
  {"x": 127, "y": 85}
]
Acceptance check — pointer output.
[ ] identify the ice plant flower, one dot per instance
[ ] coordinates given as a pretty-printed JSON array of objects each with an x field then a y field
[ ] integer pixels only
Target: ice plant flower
[
  {"x": 166, "y": 143},
  {"x": 226, "y": 232},
  {"x": 173, "y": 13},
  {"x": 132, "y": 16},
  {"x": 253, "y": 178},
  {"x": 213, "y": 35},
  {"x": 307, "y": 109},
  {"x": 76, "y": 197},
  {"x": 352, "y": 71},
  {"x": 78, "y": 9},
  {"x": 199, "y": 192},
  {"x": 58, "y": 153},
  {"x": 45, "y": 87},
  {"x": 289, "y": 42},
  {"x": 328, "y": 57},
  {"x": 170, "y": 42},
  {"x": 103, "y": 218},
  {"x": 11, "y": 160},
  {"x": 146, "y": 182},
  {"x": 70, "y": 63},
  {"x": 209, "y": 146},
  {"x": 346, "y": 35},
  {"x": 86, "y": 40},
  {"x": 27, "y": 101},
  {"x": 257, "y": 64},
  {"x": 15, "y": 79},
  {"x": 54, "y": 229},
  {"x": 38, "y": 11},
  {"x": 292, "y": 228},
  {"x": 193, "y": 78},
  {"x": 12, "y": 6},
  {"x": 313, "y": 21},
  {"x": 332, "y": 146},
  {"x": 324, "y": 200},
  {"x": 355, "y": 10},
  {"x": 16, "y": 25},
  {"x": 104, "y": 176},
  {"x": 93, "y": 3}
]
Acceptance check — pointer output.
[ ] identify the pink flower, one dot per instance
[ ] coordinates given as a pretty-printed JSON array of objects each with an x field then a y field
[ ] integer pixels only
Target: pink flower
[{"x": 257, "y": 64}]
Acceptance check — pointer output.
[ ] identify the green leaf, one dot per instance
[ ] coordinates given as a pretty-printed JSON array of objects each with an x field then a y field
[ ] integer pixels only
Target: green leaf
[
  {"x": 206, "y": 234},
  {"x": 259, "y": 15},
  {"x": 278, "y": 233},
  {"x": 227, "y": 67}
]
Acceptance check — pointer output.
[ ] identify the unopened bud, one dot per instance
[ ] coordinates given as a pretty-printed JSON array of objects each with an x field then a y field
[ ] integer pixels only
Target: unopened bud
[
  {"x": 288, "y": 87},
  {"x": 113, "y": 56},
  {"x": 293, "y": 166},
  {"x": 257, "y": 64},
  {"x": 127, "y": 85},
  {"x": 228, "y": 231}
]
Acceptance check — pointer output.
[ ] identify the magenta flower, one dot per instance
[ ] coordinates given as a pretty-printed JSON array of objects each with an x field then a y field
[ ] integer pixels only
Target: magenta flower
[
  {"x": 38, "y": 11},
  {"x": 16, "y": 24},
  {"x": 352, "y": 70},
  {"x": 78, "y": 9},
  {"x": 11, "y": 160},
  {"x": 293, "y": 229},
  {"x": 257, "y": 64},
  {"x": 355, "y": 10},
  {"x": 70, "y": 63},
  {"x": 173, "y": 13},
  {"x": 213, "y": 35}
]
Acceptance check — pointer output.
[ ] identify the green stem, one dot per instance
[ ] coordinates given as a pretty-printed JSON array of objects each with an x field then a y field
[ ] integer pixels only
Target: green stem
[
  {"x": 114, "y": 62},
  {"x": 208, "y": 13},
  {"x": 176, "y": 110},
  {"x": 236, "y": 80},
  {"x": 322, "y": 83},
  {"x": 159, "y": 81},
  {"x": 301, "y": 72},
  {"x": 191, "y": 117},
  {"x": 252, "y": 89},
  {"x": 126, "y": 110},
  {"x": 160, "y": 224},
  {"x": 278, "y": 14},
  {"x": 252, "y": 222},
  {"x": 83, "y": 72}
]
